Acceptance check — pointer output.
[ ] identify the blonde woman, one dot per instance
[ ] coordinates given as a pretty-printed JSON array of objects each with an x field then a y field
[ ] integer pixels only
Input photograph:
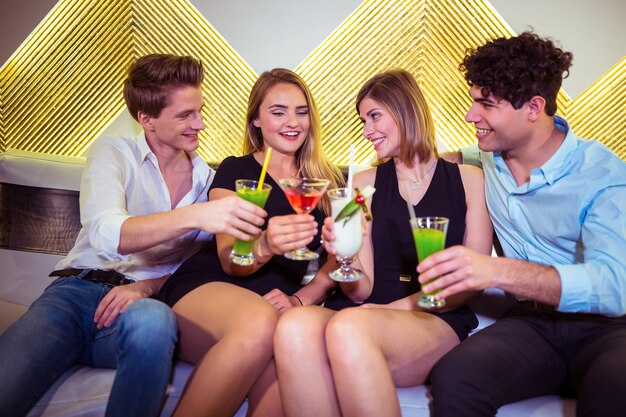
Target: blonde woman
[{"x": 227, "y": 313}]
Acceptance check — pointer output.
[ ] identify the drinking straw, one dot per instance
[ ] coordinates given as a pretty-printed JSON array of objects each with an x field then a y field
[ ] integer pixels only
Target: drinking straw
[
  {"x": 350, "y": 170},
  {"x": 409, "y": 205},
  {"x": 264, "y": 169}
]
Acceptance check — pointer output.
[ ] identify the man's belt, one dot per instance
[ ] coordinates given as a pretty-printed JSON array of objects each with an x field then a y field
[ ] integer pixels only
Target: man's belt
[{"x": 108, "y": 277}]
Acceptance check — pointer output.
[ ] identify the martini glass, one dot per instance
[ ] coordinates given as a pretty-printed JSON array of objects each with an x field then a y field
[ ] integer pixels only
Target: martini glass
[{"x": 303, "y": 195}]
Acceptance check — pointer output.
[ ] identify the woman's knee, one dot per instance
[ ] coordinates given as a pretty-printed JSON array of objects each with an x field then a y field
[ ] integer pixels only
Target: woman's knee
[
  {"x": 349, "y": 327},
  {"x": 299, "y": 329}
]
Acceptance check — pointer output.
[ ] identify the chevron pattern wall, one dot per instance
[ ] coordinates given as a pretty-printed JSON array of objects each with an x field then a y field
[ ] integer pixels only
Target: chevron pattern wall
[{"x": 62, "y": 88}]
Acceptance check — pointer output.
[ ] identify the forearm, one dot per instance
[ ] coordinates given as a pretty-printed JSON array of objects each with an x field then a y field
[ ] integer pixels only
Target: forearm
[
  {"x": 153, "y": 286},
  {"x": 139, "y": 233},
  {"x": 317, "y": 290},
  {"x": 528, "y": 280}
]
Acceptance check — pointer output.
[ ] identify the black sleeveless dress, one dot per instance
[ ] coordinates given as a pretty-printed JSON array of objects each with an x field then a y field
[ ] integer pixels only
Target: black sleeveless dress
[
  {"x": 395, "y": 257},
  {"x": 203, "y": 267}
]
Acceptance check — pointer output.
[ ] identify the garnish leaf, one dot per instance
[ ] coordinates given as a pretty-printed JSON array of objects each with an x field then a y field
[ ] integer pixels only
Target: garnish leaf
[{"x": 352, "y": 207}]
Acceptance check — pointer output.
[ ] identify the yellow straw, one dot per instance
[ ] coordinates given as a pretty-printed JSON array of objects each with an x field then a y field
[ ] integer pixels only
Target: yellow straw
[{"x": 264, "y": 169}]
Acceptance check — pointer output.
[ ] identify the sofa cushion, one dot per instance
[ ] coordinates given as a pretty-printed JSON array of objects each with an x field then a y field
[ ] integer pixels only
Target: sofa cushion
[
  {"x": 41, "y": 170},
  {"x": 83, "y": 391}
]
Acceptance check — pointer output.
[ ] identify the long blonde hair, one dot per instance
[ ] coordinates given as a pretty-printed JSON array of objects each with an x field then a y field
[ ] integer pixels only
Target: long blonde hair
[
  {"x": 310, "y": 158},
  {"x": 399, "y": 93}
]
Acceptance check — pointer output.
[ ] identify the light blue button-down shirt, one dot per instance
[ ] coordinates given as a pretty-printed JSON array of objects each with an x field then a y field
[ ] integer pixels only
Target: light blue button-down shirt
[{"x": 570, "y": 215}]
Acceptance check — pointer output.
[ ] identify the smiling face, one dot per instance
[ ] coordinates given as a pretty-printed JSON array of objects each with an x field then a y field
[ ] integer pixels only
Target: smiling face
[
  {"x": 177, "y": 126},
  {"x": 380, "y": 128},
  {"x": 283, "y": 118},
  {"x": 499, "y": 126}
]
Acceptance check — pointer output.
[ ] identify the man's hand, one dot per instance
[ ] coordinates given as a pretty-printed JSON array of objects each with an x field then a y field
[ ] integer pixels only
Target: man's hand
[
  {"x": 118, "y": 299},
  {"x": 281, "y": 301},
  {"x": 456, "y": 269},
  {"x": 234, "y": 216}
]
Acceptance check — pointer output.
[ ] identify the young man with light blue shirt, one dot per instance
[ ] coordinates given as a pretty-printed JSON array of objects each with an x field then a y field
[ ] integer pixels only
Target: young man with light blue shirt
[
  {"x": 144, "y": 210},
  {"x": 558, "y": 206}
]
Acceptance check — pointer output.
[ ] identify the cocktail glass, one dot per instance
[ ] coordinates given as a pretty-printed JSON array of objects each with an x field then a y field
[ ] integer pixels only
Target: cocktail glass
[
  {"x": 249, "y": 191},
  {"x": 429, "y": 234},
  {"x": 348, "y": 236},
  {"x": 303, "y": 195}
]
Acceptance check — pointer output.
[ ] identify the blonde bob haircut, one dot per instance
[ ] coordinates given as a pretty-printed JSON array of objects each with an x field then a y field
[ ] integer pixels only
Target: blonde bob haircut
[
  {"x": 310, "y": 161},
  {"x": 397, "y": 91}
]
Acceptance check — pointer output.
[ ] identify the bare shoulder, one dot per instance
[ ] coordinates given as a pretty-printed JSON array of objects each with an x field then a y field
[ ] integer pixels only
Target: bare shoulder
[
  {"x": 365, "y": 177},
  {"x": 473, "y": 179}
]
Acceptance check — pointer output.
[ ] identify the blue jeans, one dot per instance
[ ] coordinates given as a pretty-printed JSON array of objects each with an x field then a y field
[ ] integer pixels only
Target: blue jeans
[{"x": 58, "y": 332}]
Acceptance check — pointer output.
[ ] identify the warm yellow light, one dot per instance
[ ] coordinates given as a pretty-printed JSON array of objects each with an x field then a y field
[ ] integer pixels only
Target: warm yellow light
[{"x": 62, "y": 88}]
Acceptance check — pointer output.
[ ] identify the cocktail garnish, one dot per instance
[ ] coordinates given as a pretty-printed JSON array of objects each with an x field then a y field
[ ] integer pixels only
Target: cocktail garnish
[{"x": 357, "y": 203}]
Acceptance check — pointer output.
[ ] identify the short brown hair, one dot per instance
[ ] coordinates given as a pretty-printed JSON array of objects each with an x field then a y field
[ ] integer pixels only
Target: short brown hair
[
  {"x": 152, "y": 77},
  {"x": 399, "y": 93}
]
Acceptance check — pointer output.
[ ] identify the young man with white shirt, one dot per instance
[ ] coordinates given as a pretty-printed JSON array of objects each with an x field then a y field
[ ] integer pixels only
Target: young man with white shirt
[
  {"x": 144, "y": 209},
  {"x": 558, "y": 206}
]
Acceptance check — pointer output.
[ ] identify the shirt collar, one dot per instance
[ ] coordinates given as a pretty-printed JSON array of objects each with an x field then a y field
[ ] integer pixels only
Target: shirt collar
[
  {"x": 199, "y": 165},
  {"x": 144, "y": 149},
  {"x": 554, "y": 167}
]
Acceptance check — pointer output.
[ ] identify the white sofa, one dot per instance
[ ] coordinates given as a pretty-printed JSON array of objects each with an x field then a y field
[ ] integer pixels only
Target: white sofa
[{"x": 26, "y": 262}]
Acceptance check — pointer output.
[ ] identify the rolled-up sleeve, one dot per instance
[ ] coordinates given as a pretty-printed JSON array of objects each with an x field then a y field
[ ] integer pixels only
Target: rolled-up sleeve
[
  {"x": 103, "y": 200},
  {"x": 598, "y": 284},
  {"x": 471, "y": 155}
]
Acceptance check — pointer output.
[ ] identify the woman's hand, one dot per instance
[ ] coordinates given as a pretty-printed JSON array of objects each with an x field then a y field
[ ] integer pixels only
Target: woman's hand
[
  {"x": 328, "y": 237},
  {"x": 281, "y": 301},
  {"x": 290, "y": 232}
]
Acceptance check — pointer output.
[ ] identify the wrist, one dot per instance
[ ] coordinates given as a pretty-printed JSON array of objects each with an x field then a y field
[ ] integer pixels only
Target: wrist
[
  {"x": 261, "y": 249},
  {"x": 298, "y": 301}
]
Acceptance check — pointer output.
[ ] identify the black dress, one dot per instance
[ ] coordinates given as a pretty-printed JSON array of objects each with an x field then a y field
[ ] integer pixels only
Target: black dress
[
  {"x": 395, "y": 257},
  {"x": 203, "y": 267}
]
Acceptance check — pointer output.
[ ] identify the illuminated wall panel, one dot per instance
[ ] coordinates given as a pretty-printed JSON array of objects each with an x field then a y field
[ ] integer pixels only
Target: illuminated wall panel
[{"x": 62, "y": 88}]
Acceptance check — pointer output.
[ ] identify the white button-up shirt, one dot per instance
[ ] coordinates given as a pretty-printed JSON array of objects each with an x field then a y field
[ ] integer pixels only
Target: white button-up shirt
[{"x": 122, "y": 179}]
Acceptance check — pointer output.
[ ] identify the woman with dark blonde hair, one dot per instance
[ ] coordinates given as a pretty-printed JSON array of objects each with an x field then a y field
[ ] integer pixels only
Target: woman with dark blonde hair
[
  {"x": 349, "y": 362},
  {"x": 227, "y": 313}
]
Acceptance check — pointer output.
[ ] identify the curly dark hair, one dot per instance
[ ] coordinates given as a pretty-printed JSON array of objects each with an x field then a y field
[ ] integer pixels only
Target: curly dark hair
[{"x": 518, "y": 68}]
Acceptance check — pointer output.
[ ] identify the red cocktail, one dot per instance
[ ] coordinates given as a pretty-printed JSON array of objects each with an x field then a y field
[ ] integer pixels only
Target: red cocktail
[{"x": 303, "y": 195}]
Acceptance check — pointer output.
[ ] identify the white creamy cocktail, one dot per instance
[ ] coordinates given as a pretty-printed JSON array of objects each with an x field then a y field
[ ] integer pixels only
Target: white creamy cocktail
[
  {"x": 348, "y": 237},
  {"x": 347, "y": 205}
]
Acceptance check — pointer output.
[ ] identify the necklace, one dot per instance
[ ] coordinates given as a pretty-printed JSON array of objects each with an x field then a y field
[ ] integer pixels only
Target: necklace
[{"x": 415, "y": 185}]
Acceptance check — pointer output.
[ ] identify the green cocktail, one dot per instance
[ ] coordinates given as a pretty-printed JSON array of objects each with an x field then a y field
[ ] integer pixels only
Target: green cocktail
[
  {"x": 247, "y": 189},
  {"x": 428, "y": 241},
  {"x": 429, "y": 234}
]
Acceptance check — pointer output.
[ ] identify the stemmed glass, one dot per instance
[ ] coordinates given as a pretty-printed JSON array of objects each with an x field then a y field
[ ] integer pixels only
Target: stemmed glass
[
  {"x": 348, "y": 236},
  {"x": 303, "y": 195}
]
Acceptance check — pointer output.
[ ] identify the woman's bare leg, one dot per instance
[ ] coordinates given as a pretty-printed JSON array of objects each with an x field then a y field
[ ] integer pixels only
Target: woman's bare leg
[
  {"x": 304, "y": 375},
  {"x": 227, "y": 331},
  {"x": 264, "y": 396},
  {"x": 374, "y": 350}
]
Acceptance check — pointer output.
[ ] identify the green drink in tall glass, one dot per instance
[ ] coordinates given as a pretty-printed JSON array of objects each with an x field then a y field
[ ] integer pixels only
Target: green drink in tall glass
[
  {"x": 429, "y": 234},
  {"x": 249, "y": 191}
]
